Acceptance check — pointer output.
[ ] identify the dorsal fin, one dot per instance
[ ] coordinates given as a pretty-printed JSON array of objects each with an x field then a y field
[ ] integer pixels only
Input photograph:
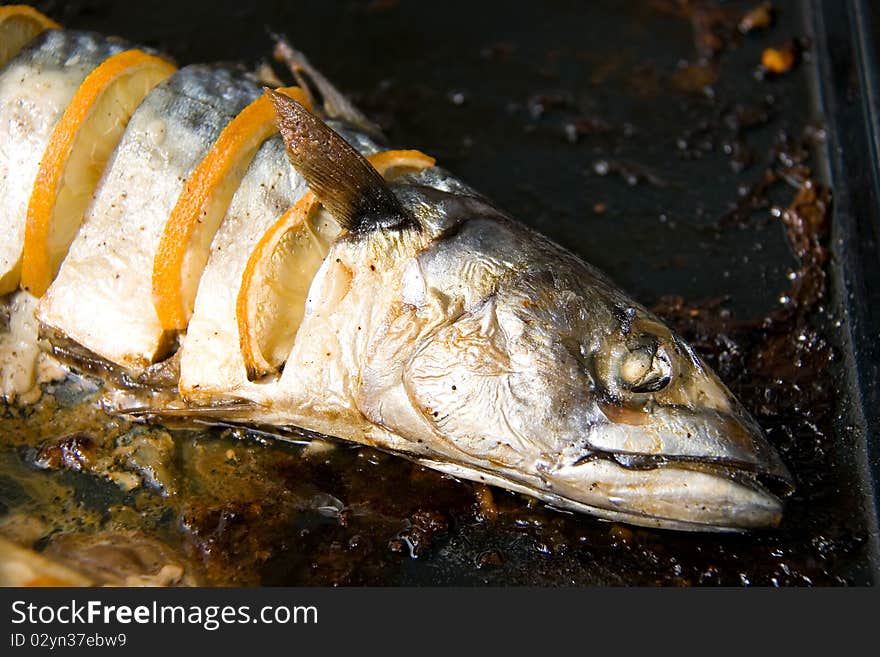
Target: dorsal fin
[{"x": 342, "y": 179}]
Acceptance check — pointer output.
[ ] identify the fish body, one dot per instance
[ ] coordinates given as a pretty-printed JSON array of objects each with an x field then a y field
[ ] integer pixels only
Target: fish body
[{"x": 432, "y": 325}]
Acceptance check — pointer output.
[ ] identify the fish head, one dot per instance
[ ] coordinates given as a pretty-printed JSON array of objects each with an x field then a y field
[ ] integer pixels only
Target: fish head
[
  {"x": 507, "y": 359},
  {"x": 551, "y": 379},
  {"x": 664, "y": 435}
]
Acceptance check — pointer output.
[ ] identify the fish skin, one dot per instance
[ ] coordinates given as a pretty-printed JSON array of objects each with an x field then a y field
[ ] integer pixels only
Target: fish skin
[{"x": 478, "y": 347}]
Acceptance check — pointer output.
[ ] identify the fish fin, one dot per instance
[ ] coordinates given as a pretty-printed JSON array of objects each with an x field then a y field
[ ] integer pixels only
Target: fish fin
[
  {"x": 342, "y": 179},
  {"x": 223, "y": 410},
  {"x": 178, "y": 416},
  {"x": 321, "y": 91},
  {"x": 223, "y": 417}
]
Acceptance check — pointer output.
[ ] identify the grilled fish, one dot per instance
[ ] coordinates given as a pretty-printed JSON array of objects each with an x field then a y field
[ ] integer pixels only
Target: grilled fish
[{"x": 402, "y": 311}]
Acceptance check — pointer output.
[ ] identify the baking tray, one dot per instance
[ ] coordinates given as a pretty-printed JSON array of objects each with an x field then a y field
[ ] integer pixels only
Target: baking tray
[{"x": 642, "y": 136}]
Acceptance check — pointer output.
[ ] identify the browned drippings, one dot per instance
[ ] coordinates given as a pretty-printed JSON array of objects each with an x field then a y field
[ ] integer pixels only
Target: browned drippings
[{"x": 232, "y": 507}]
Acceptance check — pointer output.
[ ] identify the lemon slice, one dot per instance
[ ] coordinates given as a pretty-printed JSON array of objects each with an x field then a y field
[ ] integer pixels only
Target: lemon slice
[
  {"x": 392, "y": 164},
  {"x": 36, "y": 86},
  {"x": 275, "y": 284},
  {"x": 18, "y": 25},
  {"x": 186, "y": 239},
  {"x": 76, "y": 155}
]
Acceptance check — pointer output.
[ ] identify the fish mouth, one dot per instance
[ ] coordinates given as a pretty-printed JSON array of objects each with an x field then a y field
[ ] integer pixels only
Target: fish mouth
[
  {"x": 674, "y": 491},
  {"x": 673, "y": 494},
  {"x": 678, "y": 467}
]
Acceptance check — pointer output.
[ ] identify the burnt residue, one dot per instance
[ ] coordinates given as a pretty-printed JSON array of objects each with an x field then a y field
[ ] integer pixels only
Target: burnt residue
[
  {"x": 422, "y": 528},
  {"x": 780, "y": 59},
  {"x": 716, "y": 27},
  {"x": 806, "y": 219},
  {"x": 728, "y": 131},
  {"x": 758, "y": 18},
  {"x": 76, "y": 451},
  {"x": 732, "y": 249}
]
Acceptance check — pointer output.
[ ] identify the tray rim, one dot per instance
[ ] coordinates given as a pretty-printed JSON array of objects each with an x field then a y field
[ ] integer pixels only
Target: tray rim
[{"x": 848, "y": 92}]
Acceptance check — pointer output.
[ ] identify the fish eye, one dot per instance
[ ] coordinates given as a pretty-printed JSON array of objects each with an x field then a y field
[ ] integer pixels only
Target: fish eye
[
  {"x": 645, "y": 368},
  {"x": 641, "y": 363}
]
